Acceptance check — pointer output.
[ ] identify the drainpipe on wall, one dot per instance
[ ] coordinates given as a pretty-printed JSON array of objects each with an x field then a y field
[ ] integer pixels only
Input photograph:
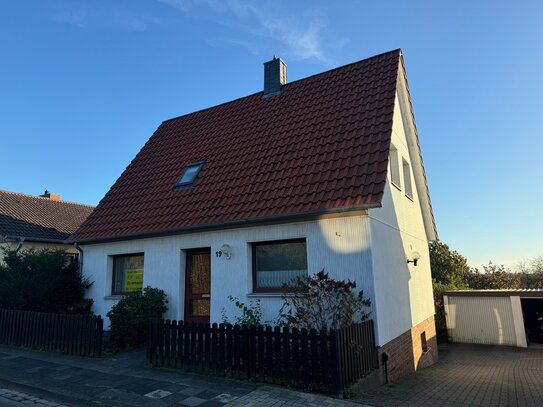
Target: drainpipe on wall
[
  {"x": 21, "y": 241},
  {"x": 80, "y": 250}
]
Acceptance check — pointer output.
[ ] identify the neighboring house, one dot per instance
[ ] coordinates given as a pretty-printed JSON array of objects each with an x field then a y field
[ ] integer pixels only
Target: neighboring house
[
  {"x": 324, "y": 172},
  {"x": 45, "y": 221}
]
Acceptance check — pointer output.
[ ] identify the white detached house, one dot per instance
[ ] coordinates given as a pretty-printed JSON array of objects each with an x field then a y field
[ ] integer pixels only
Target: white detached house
[{"x": 321, "y": 173}]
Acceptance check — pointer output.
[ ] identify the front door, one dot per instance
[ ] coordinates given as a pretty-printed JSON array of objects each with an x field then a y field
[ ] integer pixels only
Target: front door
[{"x": 198, "y": 285}]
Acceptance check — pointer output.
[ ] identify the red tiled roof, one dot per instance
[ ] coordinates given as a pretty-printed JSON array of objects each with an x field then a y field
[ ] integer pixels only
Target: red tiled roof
[
  {"x": 39, "y": 219},
  {"x": 322, "y": 145}
]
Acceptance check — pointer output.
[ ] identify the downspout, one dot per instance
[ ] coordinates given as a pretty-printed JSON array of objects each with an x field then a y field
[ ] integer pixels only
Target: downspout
[
  {"x": 80, "y": 250},
  {"x": 21, "y": 241}
]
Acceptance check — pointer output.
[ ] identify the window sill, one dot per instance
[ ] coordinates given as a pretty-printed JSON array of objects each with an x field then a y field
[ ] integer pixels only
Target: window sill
[
  {"x": 269, "y": 295},
  {"x": 113, "y": 297},
  {"x": 409, "y": 197},
  {"x": 396, "y": 185}
]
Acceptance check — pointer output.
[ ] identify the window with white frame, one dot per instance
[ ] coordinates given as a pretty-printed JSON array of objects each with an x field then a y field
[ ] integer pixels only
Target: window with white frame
[
  {"x": 407, "y": 179},
  {"x": 394, "y": 167},
  {"x": 277, "y": 263}
]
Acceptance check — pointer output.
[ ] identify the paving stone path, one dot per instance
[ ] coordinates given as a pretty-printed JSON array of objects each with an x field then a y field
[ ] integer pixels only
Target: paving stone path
[
  {"x": 12, "y": 398},
  {"x": 466, "y": 375},
  {"x": 124, "y": 380},
  {"x": 469, "y": 375}
]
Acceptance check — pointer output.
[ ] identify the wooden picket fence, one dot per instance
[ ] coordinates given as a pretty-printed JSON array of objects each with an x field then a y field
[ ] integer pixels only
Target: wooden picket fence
[
  {"x": 325, "y": 361},
  {"x": 71, "y": 334}
]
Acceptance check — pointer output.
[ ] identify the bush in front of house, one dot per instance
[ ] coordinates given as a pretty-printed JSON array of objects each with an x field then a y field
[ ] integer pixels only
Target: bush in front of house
[
  {"x": 321, "y": 302},
  {"x": 250, "y": 314},
  {"x": 130, "y": 317},
  {"x": 44, "y": 281}
]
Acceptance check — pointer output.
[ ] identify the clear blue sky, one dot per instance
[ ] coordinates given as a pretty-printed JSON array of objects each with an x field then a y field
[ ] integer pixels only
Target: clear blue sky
[{"x": 83, "y": 85}]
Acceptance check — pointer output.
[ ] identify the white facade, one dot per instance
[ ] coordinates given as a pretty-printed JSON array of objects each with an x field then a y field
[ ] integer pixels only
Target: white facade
[
  {"x": 403, "y": 291},
  {"x": 340, "y": 246}
]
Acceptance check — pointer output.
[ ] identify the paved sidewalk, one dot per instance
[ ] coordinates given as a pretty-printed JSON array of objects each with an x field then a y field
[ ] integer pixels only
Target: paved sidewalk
[
  {"x": 124, "y": 380},
  {"x": 16, "y": 398},
  {"x": 469, "y": 375}
]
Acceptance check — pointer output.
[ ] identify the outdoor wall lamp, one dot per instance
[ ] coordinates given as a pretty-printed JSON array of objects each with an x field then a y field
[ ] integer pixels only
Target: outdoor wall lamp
[
  {"x": 416, "y": 257},
  {"x": 225, "y": 251}
]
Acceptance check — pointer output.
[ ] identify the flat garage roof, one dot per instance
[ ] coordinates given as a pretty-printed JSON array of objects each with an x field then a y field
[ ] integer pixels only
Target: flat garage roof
[{"x": 524, "y": 293}]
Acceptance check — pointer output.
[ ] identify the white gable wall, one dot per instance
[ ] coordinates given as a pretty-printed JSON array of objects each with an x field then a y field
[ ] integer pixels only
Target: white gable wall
[
  {"x": 403, "y": 292},
  {"x": 340, "y": 246}
]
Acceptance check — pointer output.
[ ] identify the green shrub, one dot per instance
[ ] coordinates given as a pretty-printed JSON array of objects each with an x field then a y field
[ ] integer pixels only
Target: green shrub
[
  {"x": 130, "y": 317},
  {"x": 44, "y": 281}
]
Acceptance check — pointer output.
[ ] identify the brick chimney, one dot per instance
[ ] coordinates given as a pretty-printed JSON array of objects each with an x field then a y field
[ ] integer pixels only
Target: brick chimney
[
  {"x": 53, "y": 197},
  {"x": 275, "y": 76}
]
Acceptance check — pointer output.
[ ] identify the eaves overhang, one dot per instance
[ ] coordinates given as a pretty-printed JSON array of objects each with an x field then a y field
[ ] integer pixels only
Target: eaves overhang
[{"x": 289, "y": 218}]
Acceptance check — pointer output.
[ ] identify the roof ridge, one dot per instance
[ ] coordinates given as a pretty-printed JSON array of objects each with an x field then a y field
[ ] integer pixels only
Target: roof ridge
[
  {"x": 346, "y": 65},
  {"x": 287, "y": 84},
  {"x": 45, "y": 199}
]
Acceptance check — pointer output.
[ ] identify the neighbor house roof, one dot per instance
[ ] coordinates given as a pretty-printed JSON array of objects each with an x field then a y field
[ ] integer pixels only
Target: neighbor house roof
[
  {"x": 37, "y": 218},
  {"x": 320, "y": 146}
]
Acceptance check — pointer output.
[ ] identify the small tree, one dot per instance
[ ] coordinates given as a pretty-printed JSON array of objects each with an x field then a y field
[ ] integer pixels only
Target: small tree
[
  {"x": 321, "y": 302},
  {"x": 43, "y": 280},
  {"x": 130, "y": 317}
]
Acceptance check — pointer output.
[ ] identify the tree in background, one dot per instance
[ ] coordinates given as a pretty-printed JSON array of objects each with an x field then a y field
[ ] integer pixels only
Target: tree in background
[
  {"x": 493, "y": 277},
  {"x": 449, "y": 272},
  {"x": 448, "y": 266},
  {"x": 43, "y": 280},
  {"x": 531, "y": 272}
]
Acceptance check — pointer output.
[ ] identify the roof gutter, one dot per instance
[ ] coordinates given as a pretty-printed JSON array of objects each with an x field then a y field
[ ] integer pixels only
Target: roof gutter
[
  {"x": 35, "y": 239},
  {"x": 298, "y": 217}
]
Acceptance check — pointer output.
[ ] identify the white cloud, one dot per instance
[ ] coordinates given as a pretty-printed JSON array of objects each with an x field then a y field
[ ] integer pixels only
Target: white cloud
[
  {"x": 183, "y": 5},
  {"x": 76, "y": 18},
  {"x": 113, "y": 17},
  {"x": 300, "y": 36}
]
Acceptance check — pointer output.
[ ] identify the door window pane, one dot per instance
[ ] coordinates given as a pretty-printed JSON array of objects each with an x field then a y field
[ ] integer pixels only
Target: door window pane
[
  {"x": 200, "y": 277},
  {"x": 200, "y": 308},
  {"x": 278, "y": 263}
]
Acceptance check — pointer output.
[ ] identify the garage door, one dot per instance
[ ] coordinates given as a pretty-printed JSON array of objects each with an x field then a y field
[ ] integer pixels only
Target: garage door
[{"x": 484, "y": 320}]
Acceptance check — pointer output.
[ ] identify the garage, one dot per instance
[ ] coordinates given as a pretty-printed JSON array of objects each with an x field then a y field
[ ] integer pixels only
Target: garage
[{"x": 495, "y": 317}]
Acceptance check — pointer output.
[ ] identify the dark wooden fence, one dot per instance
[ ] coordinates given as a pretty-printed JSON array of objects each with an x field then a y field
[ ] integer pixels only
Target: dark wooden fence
[
  {"x": 326, "y": 361},
  {"x": 72, "y": 334}
]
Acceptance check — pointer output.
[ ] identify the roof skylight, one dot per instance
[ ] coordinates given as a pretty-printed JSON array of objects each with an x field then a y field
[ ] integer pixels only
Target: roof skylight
[{"x": 189, "y": 175}]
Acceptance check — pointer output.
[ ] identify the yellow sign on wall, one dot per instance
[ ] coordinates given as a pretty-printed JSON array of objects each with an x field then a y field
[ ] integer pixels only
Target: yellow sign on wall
[{"x": 133, "y": 280}]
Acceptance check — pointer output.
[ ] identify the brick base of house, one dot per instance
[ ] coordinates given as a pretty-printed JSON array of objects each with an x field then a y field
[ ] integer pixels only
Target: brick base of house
[{"x": 408, "y": 352}]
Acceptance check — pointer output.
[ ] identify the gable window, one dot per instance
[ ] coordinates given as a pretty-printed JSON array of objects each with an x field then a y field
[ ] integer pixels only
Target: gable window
[
  {"x": 394, "y": 167},
  {"x": 127, "y": 273},
  {"x": 277, "y": 263},
  {"x": 407, "y": 179},
  {"x": 189, "y": 175}
]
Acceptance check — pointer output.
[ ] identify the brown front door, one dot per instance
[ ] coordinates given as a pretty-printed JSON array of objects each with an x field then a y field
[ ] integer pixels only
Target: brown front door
[{"x": 198, "y": 285}]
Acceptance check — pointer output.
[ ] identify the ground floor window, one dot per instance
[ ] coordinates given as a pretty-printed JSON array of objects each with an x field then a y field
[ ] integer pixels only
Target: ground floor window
[
  {"x": 277, "y": 263},
  {"x": 127, "y": 273}
]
